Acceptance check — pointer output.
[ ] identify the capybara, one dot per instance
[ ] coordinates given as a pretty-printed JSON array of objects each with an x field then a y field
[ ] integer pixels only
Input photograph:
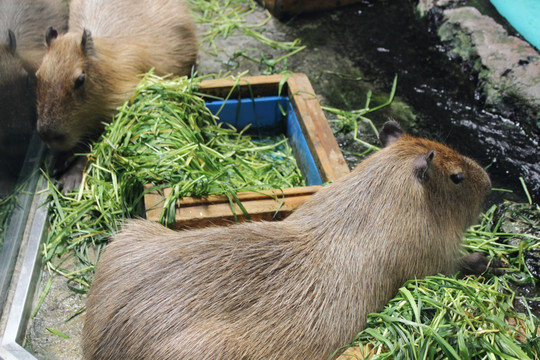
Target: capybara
[
  {"x": 22, "y": 25},
  {"x": 295, "y": 289},
  {"x": 93, "y": 68}
]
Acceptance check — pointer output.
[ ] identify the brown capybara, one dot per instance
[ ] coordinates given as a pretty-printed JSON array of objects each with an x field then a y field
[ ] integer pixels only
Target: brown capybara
[
  {"x": 295, "y": 289},
  {"x": 22, "y": 25},
  {"x": 93, "y": 68}
]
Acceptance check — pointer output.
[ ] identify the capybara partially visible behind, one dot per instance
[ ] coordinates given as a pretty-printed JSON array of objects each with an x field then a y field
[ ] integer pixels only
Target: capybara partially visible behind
[
  {"x": 295, "y": 289},
  {"x": 22, "y": 26},
  {"x": 88, "y": 72},
  {"x": 22, "y": 46}
]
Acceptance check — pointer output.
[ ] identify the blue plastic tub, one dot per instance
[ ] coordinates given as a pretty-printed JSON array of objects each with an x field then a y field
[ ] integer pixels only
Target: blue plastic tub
[
  {"x": 524, "y": 16},
  {"x": 266, "y": 118}
]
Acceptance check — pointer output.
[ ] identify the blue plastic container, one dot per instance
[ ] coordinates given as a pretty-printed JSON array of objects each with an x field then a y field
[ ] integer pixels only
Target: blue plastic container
[
  {"x": 267, "y": 119},
  {"x": 524, "y": 16}
]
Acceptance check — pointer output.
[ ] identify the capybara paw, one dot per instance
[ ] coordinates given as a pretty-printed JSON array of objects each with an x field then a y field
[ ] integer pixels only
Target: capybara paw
[{"x": 477, "y": 264}]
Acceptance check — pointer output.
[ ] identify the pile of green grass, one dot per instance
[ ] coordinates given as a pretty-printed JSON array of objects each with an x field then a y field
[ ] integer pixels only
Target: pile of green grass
[
  {"x": 471, "y": 318},
  {"x": 165, "y": 136}
]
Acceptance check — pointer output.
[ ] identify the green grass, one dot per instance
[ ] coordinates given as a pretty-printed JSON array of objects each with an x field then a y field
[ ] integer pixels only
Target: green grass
[
  {"x": 471, "y": 318},
  {"x": 222, "y": 19},
  {"x": 7, "y": 205},
  {"x": 166, "y": 137}
]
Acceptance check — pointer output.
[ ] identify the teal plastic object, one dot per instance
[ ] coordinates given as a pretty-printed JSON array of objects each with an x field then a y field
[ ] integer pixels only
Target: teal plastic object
[
  {"x": 524, "y": 16},
  {"x": 270, "y": 116}
]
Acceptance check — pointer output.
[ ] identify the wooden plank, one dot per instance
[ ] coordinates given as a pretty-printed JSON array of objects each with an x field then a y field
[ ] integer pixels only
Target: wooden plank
[
  {"x": 250, "y": 195},
  {"x": 253, "y": 207},
  {"x": 259, "y": 205},
  {"x": 319, "y": 136},
  {"x": 359, "y": 353},
  {"x": 196, "y": 212},
  {"x": 153, "y": 202},
  {"x": 264, "y": 85},
  {"x": 221, "y": 214}
]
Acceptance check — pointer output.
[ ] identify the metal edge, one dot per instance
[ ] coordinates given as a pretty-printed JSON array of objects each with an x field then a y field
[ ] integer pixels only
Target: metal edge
[
  {"x": 18, "y": 223},
  {"x": 19, "y": 313}
]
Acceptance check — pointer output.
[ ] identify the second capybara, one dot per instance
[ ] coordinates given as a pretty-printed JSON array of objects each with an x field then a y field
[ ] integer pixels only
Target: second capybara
[
  {"x": 22, "y": 25},
  {"x": 295, "y": 289},
  {"x": 93, "y": 68}
]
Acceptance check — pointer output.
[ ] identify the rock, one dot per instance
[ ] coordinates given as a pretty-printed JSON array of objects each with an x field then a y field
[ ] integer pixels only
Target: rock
[
  {"x": 424, "y": 6},
  {"x": 507, "y": 67}
]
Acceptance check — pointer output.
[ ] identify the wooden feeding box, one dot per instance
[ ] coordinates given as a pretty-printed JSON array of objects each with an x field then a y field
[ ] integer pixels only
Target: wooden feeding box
[
  {"x": 257, "y": 100},
  {"x": 286, "y": 8}
]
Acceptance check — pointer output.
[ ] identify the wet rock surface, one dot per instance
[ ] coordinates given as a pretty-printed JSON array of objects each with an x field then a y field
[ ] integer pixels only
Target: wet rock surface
[
  {"x": 508, "y": 67},
  {"x": 506, "y": 71}
]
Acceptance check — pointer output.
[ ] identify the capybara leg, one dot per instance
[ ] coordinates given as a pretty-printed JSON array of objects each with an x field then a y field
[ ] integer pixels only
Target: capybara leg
[
  {"x": 477, "y": 264},
  {"x": 72, "y": 177}
]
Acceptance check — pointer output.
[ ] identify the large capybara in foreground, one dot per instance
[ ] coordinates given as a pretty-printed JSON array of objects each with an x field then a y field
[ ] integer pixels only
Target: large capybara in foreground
[
  {"x": 93, "y": 68},
  {"x": 295, "y": 289}
]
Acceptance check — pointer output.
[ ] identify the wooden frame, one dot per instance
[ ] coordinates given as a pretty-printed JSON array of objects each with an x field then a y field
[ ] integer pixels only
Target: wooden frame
[{"x": 264, "y": 205}]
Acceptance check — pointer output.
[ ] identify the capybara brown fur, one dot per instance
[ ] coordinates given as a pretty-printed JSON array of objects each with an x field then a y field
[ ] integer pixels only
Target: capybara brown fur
[
  {"x": 22, "y": 25},
  {"x": 93, "y": 68},
  {"x": 295, "y": 289}
]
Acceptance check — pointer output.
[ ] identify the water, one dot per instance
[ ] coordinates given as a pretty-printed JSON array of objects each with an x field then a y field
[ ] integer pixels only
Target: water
[
  {"x": 523, "y": 15},
  {"x": 387, "y": 38}
]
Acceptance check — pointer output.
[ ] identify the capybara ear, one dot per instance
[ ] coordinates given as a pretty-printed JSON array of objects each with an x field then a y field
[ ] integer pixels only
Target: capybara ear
[
  {"x": 87, "y": 43},
  {"x": 422, "y": 165},
  {"x": 390, "y": 132},
  {"x": 50, "y": 35},
  {"x": 12, "y": 41}
]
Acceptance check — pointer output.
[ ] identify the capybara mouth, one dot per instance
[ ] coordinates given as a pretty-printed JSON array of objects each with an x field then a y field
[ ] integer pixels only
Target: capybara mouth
[{"x": 55, "y": 140}]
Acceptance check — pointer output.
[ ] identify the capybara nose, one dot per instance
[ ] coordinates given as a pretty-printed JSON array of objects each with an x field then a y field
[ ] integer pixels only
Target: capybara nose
[{"x": 51, "y": 136}]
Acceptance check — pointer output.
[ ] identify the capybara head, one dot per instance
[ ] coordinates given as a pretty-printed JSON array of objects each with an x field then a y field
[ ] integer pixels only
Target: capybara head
[
  {"x": 452, "y": 185},
  {"x": 14, "y": 78},
  {"x": 64, "y": 81},
  {"x": 17, "y": 111}
]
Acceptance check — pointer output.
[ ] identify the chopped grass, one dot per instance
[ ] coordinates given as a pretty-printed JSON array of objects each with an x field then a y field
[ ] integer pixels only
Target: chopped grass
[
  {"x": 472, "y": 318},
  {"x": 222, "y": 19},
  {"x": 7, "y": 204},
  {"x": 165, "y": 136},
  {"x": 347, "y": 121}
]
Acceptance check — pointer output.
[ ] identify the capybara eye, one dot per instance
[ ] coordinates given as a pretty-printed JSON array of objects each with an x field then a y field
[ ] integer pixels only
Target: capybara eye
[
  {"x": 457, "y": 178},
  {"x": 79, "y": 81}
]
